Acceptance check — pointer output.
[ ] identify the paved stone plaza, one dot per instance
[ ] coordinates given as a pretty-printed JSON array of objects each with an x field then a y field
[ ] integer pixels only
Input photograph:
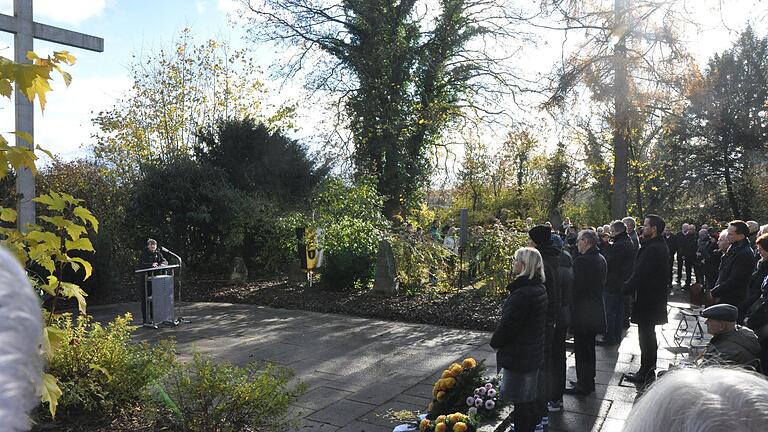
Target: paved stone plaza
[{"x": 357, "y": 369}]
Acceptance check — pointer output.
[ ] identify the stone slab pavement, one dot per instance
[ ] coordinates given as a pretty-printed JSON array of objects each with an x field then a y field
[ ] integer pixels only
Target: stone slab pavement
[{"x": 358, "y": 369}]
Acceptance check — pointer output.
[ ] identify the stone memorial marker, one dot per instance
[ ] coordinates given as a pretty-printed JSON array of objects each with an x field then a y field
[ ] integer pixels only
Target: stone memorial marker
[{"x": 385, "y": 282}]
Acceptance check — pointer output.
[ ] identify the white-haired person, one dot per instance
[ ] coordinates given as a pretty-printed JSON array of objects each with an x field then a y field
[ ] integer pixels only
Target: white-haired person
[
  {"x": 519, "y": 338},
  {"x": 754, "y": 232},
  {"x": 709, "y": 399},
  {"x": 21, "y": 331}
]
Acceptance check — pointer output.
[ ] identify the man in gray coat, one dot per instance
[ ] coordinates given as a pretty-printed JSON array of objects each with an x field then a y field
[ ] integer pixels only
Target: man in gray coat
[{"x": 731, "y": 344}]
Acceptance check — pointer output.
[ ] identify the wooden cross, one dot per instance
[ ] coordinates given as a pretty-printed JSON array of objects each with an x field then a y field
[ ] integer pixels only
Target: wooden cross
[{"x": 25, "y": 31}]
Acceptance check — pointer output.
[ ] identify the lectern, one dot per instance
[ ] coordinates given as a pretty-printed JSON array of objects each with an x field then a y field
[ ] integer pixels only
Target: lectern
[{"x": 158, "y": 294}]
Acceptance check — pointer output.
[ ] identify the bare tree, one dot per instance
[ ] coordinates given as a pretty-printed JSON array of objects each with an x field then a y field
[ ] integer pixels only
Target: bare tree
[{"x": 631, "y": 58}]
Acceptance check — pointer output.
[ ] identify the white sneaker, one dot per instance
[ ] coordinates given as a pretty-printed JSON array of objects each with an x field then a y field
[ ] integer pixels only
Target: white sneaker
[{"x": 555, "y": 406}]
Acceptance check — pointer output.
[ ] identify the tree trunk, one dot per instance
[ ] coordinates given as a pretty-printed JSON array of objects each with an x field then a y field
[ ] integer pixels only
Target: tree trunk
[
  {"x": 621, "y": 127},
  {"x": 731, "y": 193}
]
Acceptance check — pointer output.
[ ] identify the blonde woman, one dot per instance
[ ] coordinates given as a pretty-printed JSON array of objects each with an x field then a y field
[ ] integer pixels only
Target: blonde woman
[{"x": 519, "y": 338}]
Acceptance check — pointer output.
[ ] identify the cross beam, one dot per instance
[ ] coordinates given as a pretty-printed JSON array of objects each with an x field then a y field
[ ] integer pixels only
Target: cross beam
[{"x": 25, "y": 30}]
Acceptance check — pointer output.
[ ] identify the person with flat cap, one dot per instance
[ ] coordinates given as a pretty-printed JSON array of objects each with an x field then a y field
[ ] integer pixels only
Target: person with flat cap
[{"x": 731, "y": 344}]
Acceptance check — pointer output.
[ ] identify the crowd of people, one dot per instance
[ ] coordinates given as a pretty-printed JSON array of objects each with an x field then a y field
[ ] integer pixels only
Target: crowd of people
[{"x": 595, "y": 281}]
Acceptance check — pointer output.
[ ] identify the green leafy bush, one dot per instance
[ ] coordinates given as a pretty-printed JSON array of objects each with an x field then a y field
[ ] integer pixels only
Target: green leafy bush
[
  {"x": 415, "y": 257},
  {"x": 218, "y": 397},
  {"x": 354, "y": 223},
  {"x": 495, "y": 250},
  {"x": 99, "y": 370}
]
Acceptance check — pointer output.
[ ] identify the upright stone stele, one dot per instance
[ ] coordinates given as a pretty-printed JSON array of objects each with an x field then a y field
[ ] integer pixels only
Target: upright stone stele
[
  {"x": 239, "y": 271},
  {"x": 385, "y": 282}
]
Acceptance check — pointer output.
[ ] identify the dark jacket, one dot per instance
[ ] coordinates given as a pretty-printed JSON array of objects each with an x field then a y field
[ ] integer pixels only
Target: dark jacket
[
  {"x": 565, "y": 279},
  {"x": 649, "y": 283},
  {"x": 703, "y": 249},
  {"x": 734, "y": 273},
  {"x": 754, "y": 288},
  {"x": 551, "y": 256},
  {"x": 711, "y": 266},
  {"x": 757, "y": 315},
  {"x": 688, "y": 244},
  {"x": 672, "y": 243},
  {"x": 739, "y": 347},
  {"x": 519, "y": 338},
  {"x": 620, "y": 257},
  {"x": 635, "y": 239},
  {"x": 588, "y": 309},
  {"x": 147, "y": 258}
]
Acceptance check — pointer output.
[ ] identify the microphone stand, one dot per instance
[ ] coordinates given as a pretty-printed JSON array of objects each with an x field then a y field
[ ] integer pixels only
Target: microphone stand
[{"x": 180, "y": 319}]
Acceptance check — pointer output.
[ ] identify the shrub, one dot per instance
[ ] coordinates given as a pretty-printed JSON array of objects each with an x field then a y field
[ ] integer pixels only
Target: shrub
[
  {"x": 495, "y": 250},
  {"x": 353, "y": 221},
  {"x": 351, "y": 246},
  {"x": 219, "y": 397},
  {"x": 99, "y": 370},
  {"x": 415, "y": 257}
]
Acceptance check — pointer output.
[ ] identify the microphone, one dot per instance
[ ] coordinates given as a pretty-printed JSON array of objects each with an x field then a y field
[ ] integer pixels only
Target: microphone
[{"x": 164, "y": 249}]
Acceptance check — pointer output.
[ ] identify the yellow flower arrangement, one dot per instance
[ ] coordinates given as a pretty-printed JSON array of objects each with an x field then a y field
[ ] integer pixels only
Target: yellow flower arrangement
[
  {"x": 441, "y": 427},
  {"x": 440, "y": 419},
  {"x": 450, "y": 382},
  {"x": 446, "y": 374},
  {"x": 455, "y": 369},
  {"x": 469, "y": 363},
  {"x": 424, "y": 424},
  {"x": 460, "y": 427}
]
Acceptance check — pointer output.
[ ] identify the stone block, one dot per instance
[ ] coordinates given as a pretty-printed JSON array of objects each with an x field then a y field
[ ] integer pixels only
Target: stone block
[
  {"x": 342, "y": 412},
  {"x": 358, "y": 426},
  {"x": 311, "y": 426},
  {"x": 320, "y": 397},
  {"x": 378, "y": 393}
]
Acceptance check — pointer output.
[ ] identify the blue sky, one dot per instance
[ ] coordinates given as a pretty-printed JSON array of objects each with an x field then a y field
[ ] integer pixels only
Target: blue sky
[
  {"x": 127, "y": 26},
  {"x": 133, "y": 26}
]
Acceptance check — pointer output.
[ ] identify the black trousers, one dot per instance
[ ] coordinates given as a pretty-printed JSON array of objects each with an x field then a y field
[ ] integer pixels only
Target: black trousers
[
  {"x": 526, "y": 417},
  {"x": 690, "y": 264},
  {"x": 557, "y": 386},
  {"x": 142, "y": 297},
  {"x": 545, "y": 373},
  {"x": 584, "y": 349},
  {"x": 671, "y": 267},
  {"x": 648, "y": 347}
]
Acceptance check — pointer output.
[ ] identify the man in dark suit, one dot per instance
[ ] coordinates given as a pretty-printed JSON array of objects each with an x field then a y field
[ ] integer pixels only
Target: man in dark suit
[
  {"x": 620, "y": 257},
  {"x": 736, "y": 267},
  {"x": 687, "y": 250},
  {"x": 649, "y": 284},
  {"x": 589, "y": 273},
  {"x": 672, "y": 244}
]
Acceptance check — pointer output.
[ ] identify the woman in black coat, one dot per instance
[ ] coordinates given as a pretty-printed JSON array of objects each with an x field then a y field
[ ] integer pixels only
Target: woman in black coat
[
  {"x": 519, "y": 338},
  {"x": 757, "y": 313}
]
